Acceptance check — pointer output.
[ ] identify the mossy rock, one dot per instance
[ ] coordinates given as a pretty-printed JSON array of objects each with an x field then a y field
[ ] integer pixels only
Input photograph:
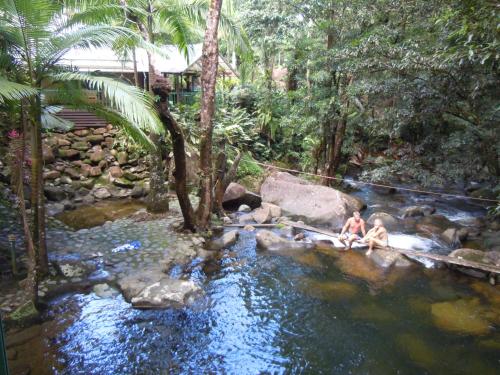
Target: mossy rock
[{"x": 24, "y": 313}]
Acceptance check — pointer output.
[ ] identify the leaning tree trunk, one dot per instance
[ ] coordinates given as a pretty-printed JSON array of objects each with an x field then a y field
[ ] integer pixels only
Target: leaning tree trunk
[
  {"x": 161, "y": 88},
  {"x": 37, "y": 192},
  {"x": 210, "y": 60}
]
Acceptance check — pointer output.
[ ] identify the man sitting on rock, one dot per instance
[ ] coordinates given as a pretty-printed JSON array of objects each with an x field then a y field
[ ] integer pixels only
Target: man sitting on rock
[
  {"x": 376, "y": 237},
  {"x": 352, "y": 228}
]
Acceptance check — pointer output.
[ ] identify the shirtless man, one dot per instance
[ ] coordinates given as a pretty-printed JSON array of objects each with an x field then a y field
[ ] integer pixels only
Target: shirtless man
[
  {"x": 376, "y": 237},
  {"x": 351, "y": 229}
]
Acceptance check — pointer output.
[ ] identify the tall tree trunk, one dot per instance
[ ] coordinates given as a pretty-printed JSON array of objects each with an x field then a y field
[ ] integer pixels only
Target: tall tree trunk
[
  {"x": 161, "y": 87},
  {"x": 37, "y": 192},
  {"x": 337, "y": 146},
  {"x": 210, "y": 60},
  {"x": 17, "y": 153},
  {"x": 157, "y": 201},
  {"x": 158, "y": 191},
  {"x": 330, "y": 123}
]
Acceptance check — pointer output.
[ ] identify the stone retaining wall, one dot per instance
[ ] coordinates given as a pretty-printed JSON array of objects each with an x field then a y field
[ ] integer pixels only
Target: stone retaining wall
[{"x": 86, "y": 165}]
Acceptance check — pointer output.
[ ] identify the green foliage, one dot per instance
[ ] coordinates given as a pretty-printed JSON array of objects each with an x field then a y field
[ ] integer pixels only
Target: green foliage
[
  {"x": 248, "y": 167},
  {"x": 415, "y": 80}
]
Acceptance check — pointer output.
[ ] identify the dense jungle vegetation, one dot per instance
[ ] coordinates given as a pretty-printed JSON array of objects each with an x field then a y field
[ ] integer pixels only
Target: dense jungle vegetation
[{"x": 394, "y": 90}]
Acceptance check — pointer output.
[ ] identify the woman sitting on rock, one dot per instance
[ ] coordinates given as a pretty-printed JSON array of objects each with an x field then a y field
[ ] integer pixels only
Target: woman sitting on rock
[{"x": 376, "y": 237}]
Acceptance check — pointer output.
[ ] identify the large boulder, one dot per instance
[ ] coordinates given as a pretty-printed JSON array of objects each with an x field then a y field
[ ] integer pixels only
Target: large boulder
[
  {"x": 416, "y": 211},
  {"x": 314, "y": 204},
  {"x": 267, "y": 240},
  {"x": 236, "y": 195},
  {"x": 390, "y": 222}
]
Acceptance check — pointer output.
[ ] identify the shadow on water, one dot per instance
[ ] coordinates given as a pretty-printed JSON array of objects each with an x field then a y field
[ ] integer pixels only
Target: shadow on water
[
  {"x": 316, "y": 312},
  {"x": 98, "y": 213}
]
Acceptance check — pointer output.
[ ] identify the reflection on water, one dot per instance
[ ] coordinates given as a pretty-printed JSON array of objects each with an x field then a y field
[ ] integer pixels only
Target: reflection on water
[{"x": 268, "y": 313}]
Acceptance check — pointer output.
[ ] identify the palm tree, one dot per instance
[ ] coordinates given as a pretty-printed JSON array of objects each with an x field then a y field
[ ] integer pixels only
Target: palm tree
[
  {"x": 34, "y": 36},
  {"x": 178, "y": 22}
]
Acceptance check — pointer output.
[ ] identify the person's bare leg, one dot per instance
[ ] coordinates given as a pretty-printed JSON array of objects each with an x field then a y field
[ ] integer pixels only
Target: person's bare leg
[
  {"x": 351, "y": 240},
  {"x": 370, "y": 247}
]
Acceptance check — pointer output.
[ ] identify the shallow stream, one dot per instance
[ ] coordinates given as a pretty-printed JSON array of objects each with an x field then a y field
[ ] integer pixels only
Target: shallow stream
[{"x": 314, "y": 312}]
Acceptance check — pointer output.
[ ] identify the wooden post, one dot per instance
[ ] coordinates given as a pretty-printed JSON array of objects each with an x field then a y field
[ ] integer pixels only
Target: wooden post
[
  {"x": 4, "y": 368},
  {"x": 177, "y": 89}
]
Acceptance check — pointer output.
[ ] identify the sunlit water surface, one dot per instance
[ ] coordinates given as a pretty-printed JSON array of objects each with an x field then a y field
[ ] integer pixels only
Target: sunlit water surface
[
  {"x": 310, "y": 312},
  {"x": 317, "y": 312}
]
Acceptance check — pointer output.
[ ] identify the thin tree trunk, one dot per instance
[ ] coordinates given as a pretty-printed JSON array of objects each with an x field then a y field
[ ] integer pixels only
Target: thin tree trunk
[
  {"x": 223, "y": 180},
  {"x": 31, "y": 283},
  {"x": 157, "y": 201},
  {"x": 161, "y": 88},
  {"x": 136, "y": 74},
  {"x": 210, "y": 62},
  {"x": 37, "y": 192},
  {"x": 337, "y": 147}
]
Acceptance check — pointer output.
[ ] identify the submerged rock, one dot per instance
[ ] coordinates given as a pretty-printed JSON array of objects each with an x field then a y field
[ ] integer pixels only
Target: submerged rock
[
  {"x": 387, "y": 258},
  {"x": 463, "y": 315},
  {"x": 271, "y": 241},
  {"x": 314, "y": 204},
  {"x": 418, "y": 351},
  {"x": 374, "y": 313},
  {"x": 359, "y": 266},
  {"x": 328, "y": 290}
]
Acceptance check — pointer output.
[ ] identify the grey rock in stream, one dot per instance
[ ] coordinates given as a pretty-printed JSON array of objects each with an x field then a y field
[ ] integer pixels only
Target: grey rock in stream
[
  {"x": 154, "y": 289},
  {"x": 267, "y": 240},
  {"x": 228, "y": 239}
]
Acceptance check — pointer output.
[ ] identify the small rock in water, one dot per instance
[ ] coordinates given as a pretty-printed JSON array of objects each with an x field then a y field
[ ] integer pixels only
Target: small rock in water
[{"x": 244, "y": 208}]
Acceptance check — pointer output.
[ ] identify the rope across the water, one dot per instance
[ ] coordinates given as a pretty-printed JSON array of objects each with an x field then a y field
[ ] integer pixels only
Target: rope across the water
[{"x": 381, "y": 185}]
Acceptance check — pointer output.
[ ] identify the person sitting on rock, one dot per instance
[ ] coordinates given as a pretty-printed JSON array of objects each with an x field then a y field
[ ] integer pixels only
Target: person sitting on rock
[
  {"x": 352, "y": 228},
  {"x": 376, "y": 237}
]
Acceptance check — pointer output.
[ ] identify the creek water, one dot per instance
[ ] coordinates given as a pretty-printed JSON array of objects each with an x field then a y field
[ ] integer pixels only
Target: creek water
[{"x": 314, "y": 312}]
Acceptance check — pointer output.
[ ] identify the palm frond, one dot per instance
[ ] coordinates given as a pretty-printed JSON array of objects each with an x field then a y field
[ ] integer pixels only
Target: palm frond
[
  {"x": 51, "y": 121},
  {"x": 14, "y": 91}
]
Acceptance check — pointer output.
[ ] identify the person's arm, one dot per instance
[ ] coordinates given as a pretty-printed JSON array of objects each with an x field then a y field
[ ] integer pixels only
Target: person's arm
[
  {"x": 368, "y": 235},
  {"x": 363, "y": 230},
  {"x": 346, "y": 225}
]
